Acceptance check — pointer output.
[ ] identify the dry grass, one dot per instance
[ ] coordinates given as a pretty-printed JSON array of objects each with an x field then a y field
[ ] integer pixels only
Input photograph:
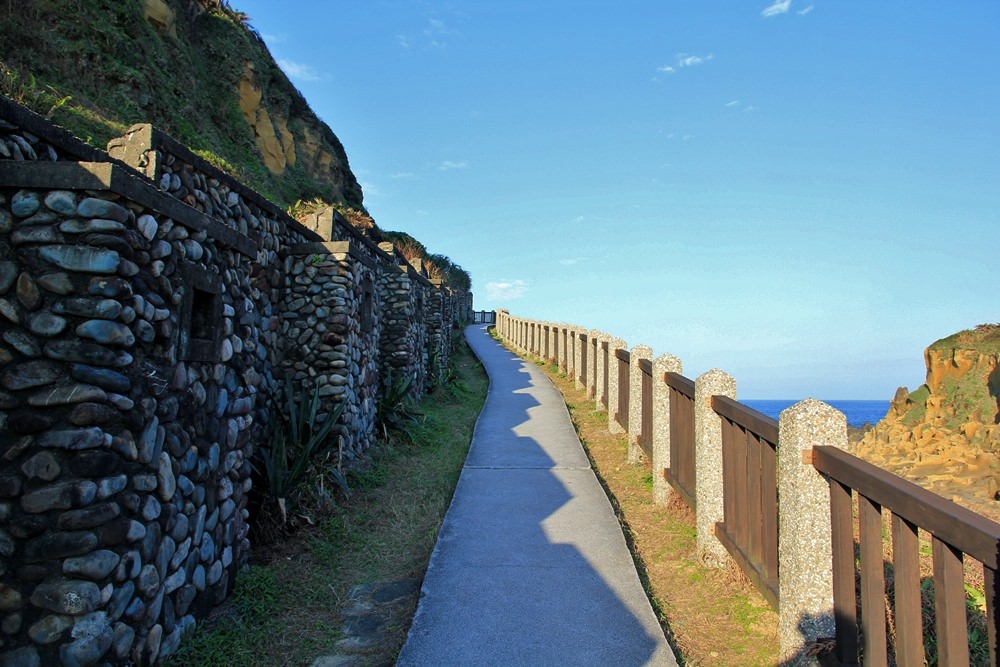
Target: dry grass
[{"x": 710, "y": 616}]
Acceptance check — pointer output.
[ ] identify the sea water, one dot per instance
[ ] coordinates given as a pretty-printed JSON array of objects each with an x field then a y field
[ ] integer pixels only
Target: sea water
[{"x": 858, "y": 413}]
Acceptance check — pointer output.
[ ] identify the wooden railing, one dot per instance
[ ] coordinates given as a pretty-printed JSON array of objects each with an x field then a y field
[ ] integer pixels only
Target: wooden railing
[
  {"x": 646, "y": 407},
  {"x": 749, "y": 530},
  {"x": 680, "y": 475},
  {"x": 624, "y": 359},
  {"x": 607, "y": 372},
  {"x": 954, "y": 531}
]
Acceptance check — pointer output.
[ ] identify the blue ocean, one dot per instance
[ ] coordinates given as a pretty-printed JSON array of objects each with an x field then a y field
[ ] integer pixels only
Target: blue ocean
[{"x": 858, "y": 413}]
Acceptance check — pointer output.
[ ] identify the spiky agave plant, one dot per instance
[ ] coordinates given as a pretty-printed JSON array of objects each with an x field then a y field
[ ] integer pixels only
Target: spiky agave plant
[{"x": 296, "y": 444}]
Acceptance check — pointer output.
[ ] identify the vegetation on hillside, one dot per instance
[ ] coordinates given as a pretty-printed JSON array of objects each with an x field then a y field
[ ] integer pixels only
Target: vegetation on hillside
[
  {"x": 439, "y": 267},
  {"x": 99, "y": 66},
  {"x": 985, "y": 339}
]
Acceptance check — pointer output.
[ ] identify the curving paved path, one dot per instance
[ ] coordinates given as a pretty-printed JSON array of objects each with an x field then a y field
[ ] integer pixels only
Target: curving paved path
[{"x": 530, "y": 567}]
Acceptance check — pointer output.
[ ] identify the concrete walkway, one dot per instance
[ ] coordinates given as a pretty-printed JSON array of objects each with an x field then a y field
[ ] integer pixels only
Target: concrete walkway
[{"x": 530, "y": 566}]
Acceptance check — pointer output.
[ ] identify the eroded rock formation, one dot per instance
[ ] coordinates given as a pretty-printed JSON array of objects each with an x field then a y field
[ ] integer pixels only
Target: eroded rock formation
[{"x": 945, "y": 435}]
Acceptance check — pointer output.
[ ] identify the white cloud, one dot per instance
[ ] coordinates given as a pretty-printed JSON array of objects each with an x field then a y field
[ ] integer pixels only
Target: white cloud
[
  {"x": 403, "y": 40},
  {"x": 506, "y": 290},
  {"x": 448, "y": 165},
  {"x": 683, "y": 60},
  {"x": 778, "y": 7},
  {"x": 733, "y": 103},
  {"x": 570, "y": 261},
  {"x": 274, "y": 39},
  {"x": 300, "y": 72},
  {"x": 806, "y": 10},
  {"x": 403, "y": 175}
]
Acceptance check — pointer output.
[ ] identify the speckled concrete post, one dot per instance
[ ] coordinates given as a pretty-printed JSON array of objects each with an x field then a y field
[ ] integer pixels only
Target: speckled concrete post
[
  {"x": 613, "y": 346},
  {"x": 578, "y": 357},
  {"x": 592, "y": 358},
  {"x": 570, "y": 347},
  {"x": 805, "y": 577},
  {"x": 665, "y": 363},
  {"x": 564, "y": 343},
  {"x": 708, "y": 462},
  {"x": 601, "y": 370},
  {"x": 635, "y": 454}
]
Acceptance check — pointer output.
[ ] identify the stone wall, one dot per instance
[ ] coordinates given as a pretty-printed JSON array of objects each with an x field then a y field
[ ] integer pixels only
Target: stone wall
[{"x": 151, "y": 310}]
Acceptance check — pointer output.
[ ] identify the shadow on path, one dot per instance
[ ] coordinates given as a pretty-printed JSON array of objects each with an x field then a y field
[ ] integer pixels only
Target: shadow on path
[{"x": 530, "y": 567}]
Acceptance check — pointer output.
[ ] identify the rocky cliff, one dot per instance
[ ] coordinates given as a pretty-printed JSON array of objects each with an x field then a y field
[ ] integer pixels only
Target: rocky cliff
[
  {"x": 193, "y": 68},
  {"x": 945, "y": 435}
]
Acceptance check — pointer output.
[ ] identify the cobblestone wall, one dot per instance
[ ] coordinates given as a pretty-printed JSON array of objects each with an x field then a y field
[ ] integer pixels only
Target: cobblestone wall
[{"x": 150, "y": 310}]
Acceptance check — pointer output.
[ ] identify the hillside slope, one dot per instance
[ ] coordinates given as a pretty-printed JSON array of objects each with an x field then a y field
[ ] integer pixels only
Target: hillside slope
[
  {"x": 945, "y": 435},
  {"x": 192, "y": 68}
]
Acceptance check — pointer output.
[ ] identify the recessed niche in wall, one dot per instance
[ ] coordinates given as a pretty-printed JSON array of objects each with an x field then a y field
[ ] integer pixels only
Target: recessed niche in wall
[
  {"x": 201, "y": 314},
  {"x": 367, "y": 314}
]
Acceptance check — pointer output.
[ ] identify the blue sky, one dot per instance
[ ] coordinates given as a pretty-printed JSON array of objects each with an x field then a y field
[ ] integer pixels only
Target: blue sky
[{"x": 804, "y": 194}]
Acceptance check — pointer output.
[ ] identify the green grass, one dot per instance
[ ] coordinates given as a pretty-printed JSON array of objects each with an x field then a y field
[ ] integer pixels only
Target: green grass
[{"x": 285, "y": 609}]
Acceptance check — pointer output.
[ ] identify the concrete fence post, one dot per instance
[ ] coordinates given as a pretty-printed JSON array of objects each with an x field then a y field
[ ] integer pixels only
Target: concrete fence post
[
  {"x": 564, "y": 343},
  {"x": 708, "y": 462},
  {"x": 613, "y": 407},
  {"x": 556, "y": 347},
  {"x": 805, "y": 578},
  {"x": 665, "y": 363},
  {"x": 601, "y": 372},
  {"x": 570, "y": 348},
  {"x": 635, "y": 454},
  {"x": 579, "y": 358}
]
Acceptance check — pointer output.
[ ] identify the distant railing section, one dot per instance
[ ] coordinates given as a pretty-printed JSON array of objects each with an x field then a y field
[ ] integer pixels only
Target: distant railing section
[
  {"x": 484, "y": 317},
  {"x": 775, "y": 497}
]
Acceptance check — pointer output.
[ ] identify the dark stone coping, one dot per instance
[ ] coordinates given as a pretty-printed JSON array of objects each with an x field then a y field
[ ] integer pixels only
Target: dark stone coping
[
  {"x": 123, "y": 181},
  {"x": 43, "y": 128},
  {"x": 146, "y": 137},
  {"x": 331, "y": 247},
  {"x": 143, "y": 136},
  {"x": 415, "y": 275}
]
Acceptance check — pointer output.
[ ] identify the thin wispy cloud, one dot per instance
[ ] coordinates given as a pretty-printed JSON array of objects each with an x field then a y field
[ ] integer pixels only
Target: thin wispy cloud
[
  {"x": 681, "y": 61},
  {"x": 778, "y": 7},
  {"x": 274, "y": 38},
  {"x": 737, "y": 105},
  {"x": 806, "y": 10},
  {"x": 506, "y": 290},
  {"x": 300, "y": 72},
  {"x": 433, "y": 35},
  {"x": 448, "y": 165},
  {"x": 570, "y": 261},
  {"x": 403, "y": 175}
]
